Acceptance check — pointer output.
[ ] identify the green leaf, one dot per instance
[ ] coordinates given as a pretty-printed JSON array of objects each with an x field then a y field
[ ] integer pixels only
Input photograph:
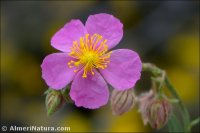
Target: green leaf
[
  {"x": 174, "y": 124},
  {"x": 65, "y": 93},
  {"x": 183, "y": 109}
]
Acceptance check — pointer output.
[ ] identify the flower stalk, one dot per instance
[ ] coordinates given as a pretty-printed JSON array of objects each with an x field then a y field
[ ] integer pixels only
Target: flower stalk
[{"x": 157, "y": 72}]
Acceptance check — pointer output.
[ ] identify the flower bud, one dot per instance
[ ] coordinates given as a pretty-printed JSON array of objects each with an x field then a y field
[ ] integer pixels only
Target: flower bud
[
  {"x": 144, "y": 100},
  {"x": 158, "y": 112},
  {"x": 54, "y": 100},
  {"x": 122, "y": 101}
]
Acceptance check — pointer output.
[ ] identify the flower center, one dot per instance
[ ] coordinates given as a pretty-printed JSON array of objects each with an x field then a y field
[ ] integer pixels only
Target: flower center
[{"x": 89, "y": 53}]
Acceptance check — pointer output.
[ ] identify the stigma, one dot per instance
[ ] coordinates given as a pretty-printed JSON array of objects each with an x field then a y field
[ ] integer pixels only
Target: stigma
[{"x": 89, "y": 53}]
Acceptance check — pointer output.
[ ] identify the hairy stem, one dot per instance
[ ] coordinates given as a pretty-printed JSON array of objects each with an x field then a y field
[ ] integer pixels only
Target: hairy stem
[
  {"x": 194, "y": 122},
  {"x": 156, "y": 72}
]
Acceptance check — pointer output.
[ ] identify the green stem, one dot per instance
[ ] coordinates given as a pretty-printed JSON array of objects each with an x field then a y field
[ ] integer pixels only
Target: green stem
[
  {"x": 186, "y": 116},
  {"x": 159, "y": 72}
]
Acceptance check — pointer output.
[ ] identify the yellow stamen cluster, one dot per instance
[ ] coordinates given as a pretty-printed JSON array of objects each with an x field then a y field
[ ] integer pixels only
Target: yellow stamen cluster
[{"x": 89, "y": 53}]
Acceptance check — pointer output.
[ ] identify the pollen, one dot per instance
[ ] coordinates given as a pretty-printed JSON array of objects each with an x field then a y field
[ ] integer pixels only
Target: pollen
[{"x": 88, "y": 53}]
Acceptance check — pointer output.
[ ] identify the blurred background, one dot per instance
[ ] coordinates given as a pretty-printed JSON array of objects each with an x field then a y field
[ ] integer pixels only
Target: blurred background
[{"x": 165, "y": 33}]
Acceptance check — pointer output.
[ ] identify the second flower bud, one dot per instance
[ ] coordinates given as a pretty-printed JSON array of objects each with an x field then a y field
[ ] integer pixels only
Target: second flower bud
[{"x": 122, "y": 101}]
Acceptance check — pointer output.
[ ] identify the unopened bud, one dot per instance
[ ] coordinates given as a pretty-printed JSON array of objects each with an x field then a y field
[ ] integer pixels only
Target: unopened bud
[
  {"x": 54, "y": 100},
  {"x": 158, "y": 112},
  {"x": 122, "y": 101},
  {"x": 144, "y": 100}
]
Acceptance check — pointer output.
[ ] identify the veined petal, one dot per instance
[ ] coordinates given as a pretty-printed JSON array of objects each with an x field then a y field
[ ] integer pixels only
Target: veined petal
[
  {"x": 106, "y": 25},
  {"x": 91, "y": 92},
  {"x": 123, "y": 70},
  {"x": 55, "y": 70},
  {"x": 72, "y": 31}
]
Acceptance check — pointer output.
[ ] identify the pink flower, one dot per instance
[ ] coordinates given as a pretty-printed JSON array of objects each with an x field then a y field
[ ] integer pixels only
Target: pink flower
[{"x": 86, "y": 62}]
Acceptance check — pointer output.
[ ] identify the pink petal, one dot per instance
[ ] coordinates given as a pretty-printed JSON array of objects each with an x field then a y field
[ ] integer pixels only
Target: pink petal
[
  {"x": 55, "y": 70},
  {"x": 72, "y": 31},
  {"x": 106, "y": 25},
  {"x": 123, "y": 70},
  {"x": 90, "y": 92}
]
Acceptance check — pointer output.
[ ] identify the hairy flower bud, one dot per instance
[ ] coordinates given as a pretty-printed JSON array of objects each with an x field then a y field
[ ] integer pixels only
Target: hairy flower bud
[
  {"x": 54, "y": 100},
  {"x": 122, "y": 101},
  {"x": 158, "y": 112},
  {"x": 144, "y": 100}
]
